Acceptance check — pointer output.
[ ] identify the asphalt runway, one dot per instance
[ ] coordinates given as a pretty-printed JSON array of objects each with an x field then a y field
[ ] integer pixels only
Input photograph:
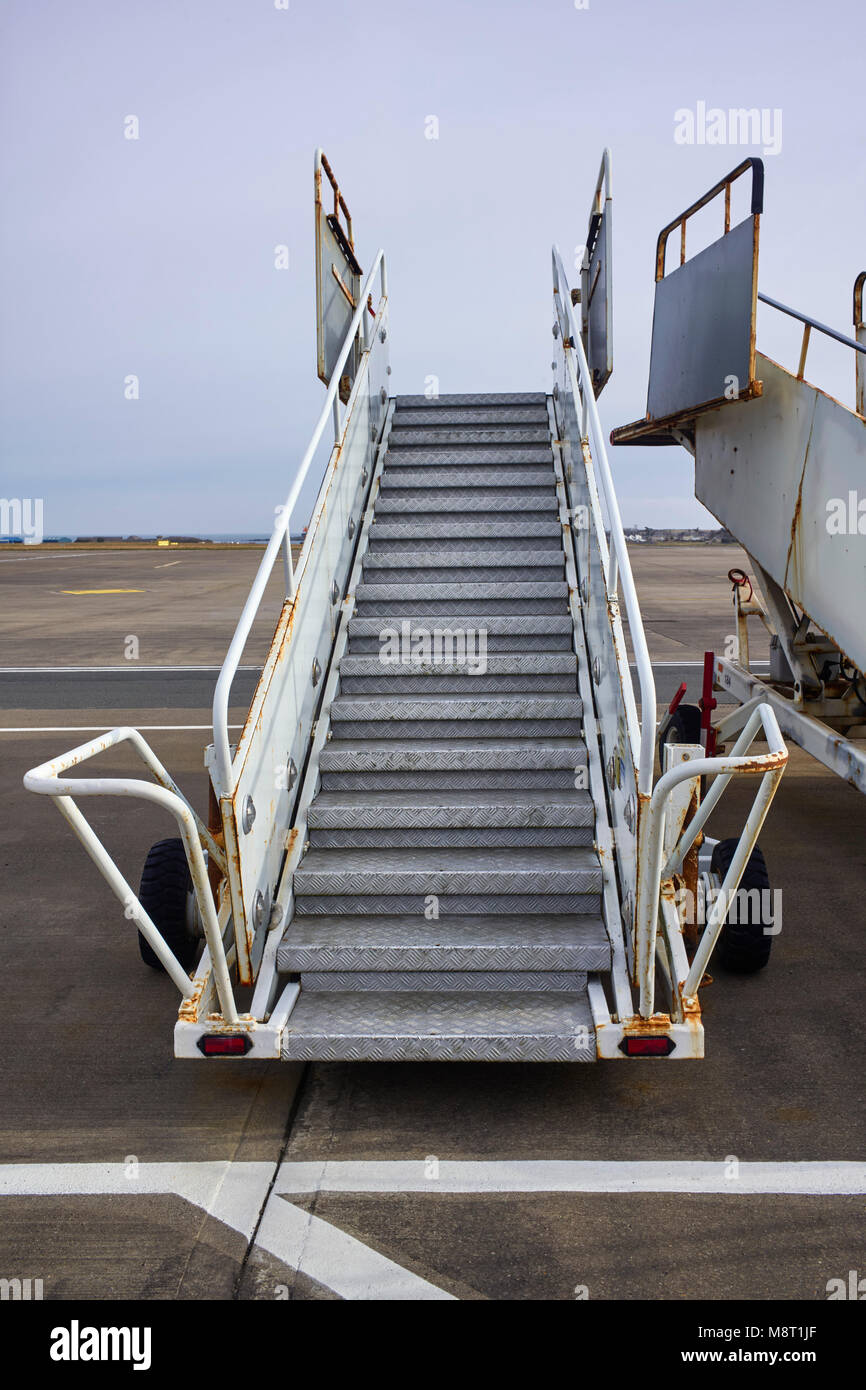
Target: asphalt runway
[{"x": 125, "y": 1173}]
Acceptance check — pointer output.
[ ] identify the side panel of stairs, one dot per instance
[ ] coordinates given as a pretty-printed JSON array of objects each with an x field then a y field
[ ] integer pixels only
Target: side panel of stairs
[{"x": 449, "y": 903}]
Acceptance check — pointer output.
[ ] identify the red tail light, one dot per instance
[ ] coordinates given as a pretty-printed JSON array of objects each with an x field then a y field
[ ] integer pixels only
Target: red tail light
[
  {"x": 655, "y": 1045},
  {"x": 225, "y": 1044}
]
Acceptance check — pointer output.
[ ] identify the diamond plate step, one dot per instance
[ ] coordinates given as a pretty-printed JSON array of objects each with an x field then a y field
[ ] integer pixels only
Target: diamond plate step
[
  {"x": 435, "y": 415},
  {"x": 497, "y": 872},
  {"x": 452, "y": 709},
  {"x": 513, "y": 632},
  {"x": 481, "y": 808},
  {"x": 449, "y": 455},
  {"x": 455, "y": 529},
  {"x": 394, "y": 476},
  {"x": 503, "y": 663},
  {"x": 471, "y": 399},
  {"x": 450, "y": 837},
  {"x": 543, "y": 942},
  {"x": 404, "y": 593},
  {"x": 474, "y": 1027},
  {"x": 452, "y": 764},
  {"x": 444, "y": 981},
  {"x": 540, "y": 556},
  {"x": 404, "y": 437},
  {"x": 452, "y": 904},
  {"x": 464, "y": 502}
]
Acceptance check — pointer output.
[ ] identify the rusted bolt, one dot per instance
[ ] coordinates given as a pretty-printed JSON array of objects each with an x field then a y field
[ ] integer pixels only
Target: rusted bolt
[
  {"x": 249, "y": 815},
  {"x": 291, "y": 774},
  {"x": 383, "y": 395},
  {"x": 317, "y": 670},
  {"x": 335, "y": 592},
  {"x": 556, "y": 330},
  {"x": 276, "y": 917},
  {"x": 383, "y": 333},
  {"x": 258, "y": 909},
  {"x": 351, "y": 527},
  {"x": 364, "y": 476},
  {"x": 596, "y": 671},
  {"x": 575, "y": 296}
]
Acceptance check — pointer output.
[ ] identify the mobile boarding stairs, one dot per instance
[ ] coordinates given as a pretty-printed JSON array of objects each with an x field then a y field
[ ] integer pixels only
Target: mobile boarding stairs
[{"x": 440, "y": 834}]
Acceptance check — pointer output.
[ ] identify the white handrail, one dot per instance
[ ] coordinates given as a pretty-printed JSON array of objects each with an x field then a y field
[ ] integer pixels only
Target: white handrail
[
  {"x": 47, "y": 780},
  {"x": 770, "y": 767},
  {"x": 592, "y": 423},
  {"x": 222, "y": 748}
]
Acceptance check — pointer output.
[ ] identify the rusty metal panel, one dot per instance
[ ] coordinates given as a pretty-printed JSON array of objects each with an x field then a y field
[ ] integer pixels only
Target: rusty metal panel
[
  {"x": 703, "y": 326},
  {"x": 338, "y": 280},
  {"x": 780, "y": 472}
]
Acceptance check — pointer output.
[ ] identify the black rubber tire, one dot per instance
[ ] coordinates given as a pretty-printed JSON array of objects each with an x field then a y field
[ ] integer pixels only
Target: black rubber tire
[
  {"x": 743, "y": 947},
  {"x": 684, "y": 727},
  {"x": 164, "y": 892}
]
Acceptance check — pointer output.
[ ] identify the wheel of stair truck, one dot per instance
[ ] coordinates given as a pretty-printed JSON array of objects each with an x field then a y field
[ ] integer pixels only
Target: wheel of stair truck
[
  {"x": 683, "y": 726},
  {"x": 747, "y": 936},
  {"x": 167, "y": 896}
]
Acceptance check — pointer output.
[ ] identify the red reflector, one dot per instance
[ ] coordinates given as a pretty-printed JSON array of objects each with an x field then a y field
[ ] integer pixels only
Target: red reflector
[
  {"x": 654, "y": 1046},
  {"x": 225, "y": 1044}
]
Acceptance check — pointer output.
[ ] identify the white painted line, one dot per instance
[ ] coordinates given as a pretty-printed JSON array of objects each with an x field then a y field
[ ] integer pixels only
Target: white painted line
[
  {"x": 129, "y": 668},
  {"x": 101, "y": 728},
  {"x": 168, "y": 564},
  {"x": 338, "y": 1261},
  {"x": 821, "y": 1179},
  {"x": 234, "y": 1193}
]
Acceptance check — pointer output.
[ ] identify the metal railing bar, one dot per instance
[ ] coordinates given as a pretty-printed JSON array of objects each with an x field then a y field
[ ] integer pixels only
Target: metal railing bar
[{"x": 812, "y": 323}]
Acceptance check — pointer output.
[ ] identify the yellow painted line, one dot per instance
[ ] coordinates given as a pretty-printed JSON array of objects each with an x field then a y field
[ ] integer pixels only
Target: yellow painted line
[{"x": 102, "y": 591}]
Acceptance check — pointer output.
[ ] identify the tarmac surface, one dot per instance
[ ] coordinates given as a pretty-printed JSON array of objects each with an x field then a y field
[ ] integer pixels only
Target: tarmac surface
[{"x": 126, "y": 1173}]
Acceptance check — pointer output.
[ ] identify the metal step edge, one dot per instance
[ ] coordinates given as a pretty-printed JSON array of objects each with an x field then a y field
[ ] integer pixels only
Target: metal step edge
[
  {"x": 456, "y": 559},
  {"x": 532, "y": 500},
  {"x": 470, "y": 399},
  {"x": 460, "y": 904},
  {"x": 428, "y": 756},
  {"x": 431, "y": 1027},
  {"x": 451, "y": 837},
  {"x": 501, "y": 664},
  {"x": 524, "y": 624},
  {"x": 486, "y": 478},
  {"x": 404, "y": 592},
  {"x": 464, "y": 530},
  {"x": 456, "y": 707},
  {"x": 443, "y": 981}
]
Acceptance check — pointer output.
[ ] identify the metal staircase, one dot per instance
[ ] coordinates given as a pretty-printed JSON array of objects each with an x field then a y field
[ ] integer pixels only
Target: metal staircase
[
  {"x": 448, "y": 904},
  {"x": 439, "y": 833}
]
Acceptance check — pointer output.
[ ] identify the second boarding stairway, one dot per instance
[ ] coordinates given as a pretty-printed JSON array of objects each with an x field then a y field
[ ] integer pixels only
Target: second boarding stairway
[{"x": 449, "y": 903}]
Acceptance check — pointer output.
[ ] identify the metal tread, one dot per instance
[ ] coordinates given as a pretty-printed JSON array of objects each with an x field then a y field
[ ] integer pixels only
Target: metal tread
[
  {"x": 487, "y": 476},
  {"x": 437, "y": 808},
  {"x": 463, "y": 502},
  {"x": 448, "y": 455},
  {"x": 499, "y": 872},
  {"x": 460, "y": 530},
  {"x": 404, "y": 593},
  {"x": 443, "y": 981},
  {"x": 403, "y": 436},
  {"x": 461, "y": 414},
  {"x": 457, "y": 904},
  {"x": 470, "y": 399},
  {"x": 474, "y": 1027},
  {"x": 457, "y": 708},
  {"x": 514, "y": 624},
  {"x": 501, "y": 663},
  {"x": 541, "y": 942},
  {"x": 466, "y": 754},
  {"x": 457, "y": 559}
]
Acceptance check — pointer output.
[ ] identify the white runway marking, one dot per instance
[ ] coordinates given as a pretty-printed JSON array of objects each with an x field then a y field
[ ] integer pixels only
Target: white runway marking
[
  {"x": 820, "y": 1179},
  {"x": 234, "y": 1193},
  {"x": 168, "y": 564}
]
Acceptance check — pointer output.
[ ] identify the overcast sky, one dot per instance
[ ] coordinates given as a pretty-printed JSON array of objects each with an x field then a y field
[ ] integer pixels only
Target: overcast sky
[{"x": 155, "y": 256}]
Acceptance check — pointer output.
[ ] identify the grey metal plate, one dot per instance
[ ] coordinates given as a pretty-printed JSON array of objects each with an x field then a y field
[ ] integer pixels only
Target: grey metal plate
[
  {"x": 511, "y": 624},
  {"x": 447, "y": 729},
  {"x": 487, "y": 477},
  {"x": 437, "y": 808},
  {"x": 471, "y": 399},
  {"x": 406, "y": 1027},
  {"x": 428, "y": 530},
  {"x": 468, "y": 904},
  {"x": 447, "y": 455},
  {"x": 446, "y": 837},
  {"x": 460, "y": 682},
  {"x": 452, "y": 434},
  {"x": 471, "y": 415},
  {"x": 702, "y": 325},
  {"x": 404, "y": 592},
  {"x": 503, "y": 663},
  {"x": 456, "y": 707},
  {"x": 443, "y": 981},
  {"x": 542, "y": 942},
  {"x": 499, "y": 872},
  {"x": 462, "y": 501},
  {"x": 374, "y": 560},
  {"x": 467, "y": 754}
]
